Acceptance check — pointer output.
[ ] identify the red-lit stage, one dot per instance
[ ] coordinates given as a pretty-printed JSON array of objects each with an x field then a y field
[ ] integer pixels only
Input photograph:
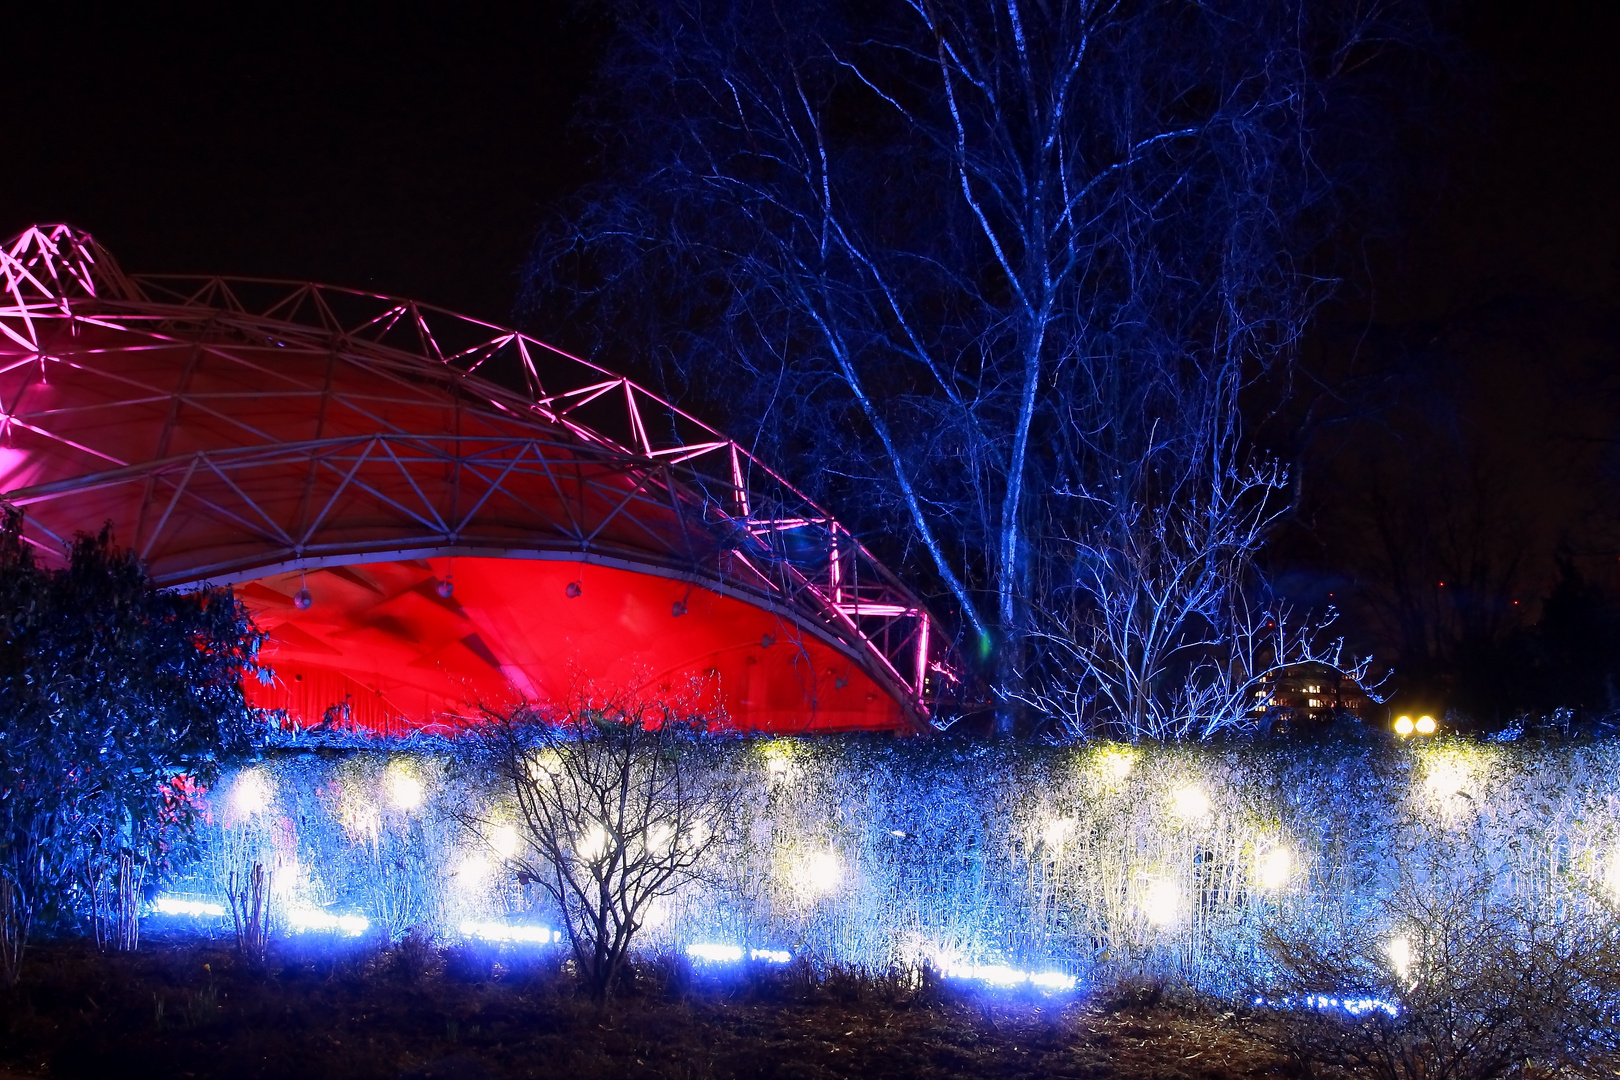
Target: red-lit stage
[
  {"x": 381, "y": 636},
  {"x": 286, "y": 437}
]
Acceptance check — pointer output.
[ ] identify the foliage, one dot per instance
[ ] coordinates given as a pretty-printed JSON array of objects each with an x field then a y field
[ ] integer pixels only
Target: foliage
[
  {"x": 617, "y": 805},
  {"x": 120, "y": 701}
]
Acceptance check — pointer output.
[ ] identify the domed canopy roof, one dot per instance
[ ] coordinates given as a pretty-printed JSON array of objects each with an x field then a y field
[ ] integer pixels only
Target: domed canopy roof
[{"x": 471, "y": 515}]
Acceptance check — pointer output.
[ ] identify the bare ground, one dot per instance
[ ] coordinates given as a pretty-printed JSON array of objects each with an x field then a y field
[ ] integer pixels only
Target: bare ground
[{"x": 188, "y": 1009}]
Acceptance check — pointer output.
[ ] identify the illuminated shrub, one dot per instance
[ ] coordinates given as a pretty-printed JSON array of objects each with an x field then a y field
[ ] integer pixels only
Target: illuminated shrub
[{"x": 1084, "y": 859}]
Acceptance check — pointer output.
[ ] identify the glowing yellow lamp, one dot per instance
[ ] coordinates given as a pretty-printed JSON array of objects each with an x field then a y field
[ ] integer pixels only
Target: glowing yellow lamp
[
  {"x": 1425, "y": 725},
  {"x": 1404, "y": 726}
]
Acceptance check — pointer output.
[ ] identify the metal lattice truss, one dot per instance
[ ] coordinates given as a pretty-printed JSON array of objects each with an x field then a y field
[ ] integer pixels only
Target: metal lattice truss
[{"x": 236, "y": 428}]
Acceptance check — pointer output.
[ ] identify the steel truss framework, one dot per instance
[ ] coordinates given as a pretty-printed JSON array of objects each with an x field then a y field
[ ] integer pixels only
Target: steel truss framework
[{"x": 269, "y": 426}]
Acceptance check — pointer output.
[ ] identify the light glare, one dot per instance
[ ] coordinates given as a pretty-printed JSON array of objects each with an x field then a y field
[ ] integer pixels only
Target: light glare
[
  {"x": 715, "y": 954},
  {"x": 1276, "y": 866},
  {"x": 1191, "y": 803},
  {"x": 404, "y": 789},
  {"x": 1057, "y": 831},
  {"x": 494, "y": 931},
  {"x": 1161, "y": 903},
  {"x": 1425, "y": 725},
  {"x": 594, "y": 846},
  {"x": 251, "y": 795},
  {"x": 302, "y": 919},
  {"x": 818, "y": 875},
  {"x": 1399, "y": 951},
  {"x": 199, "y": 908},
  {"x": 1404, "y": 726}
]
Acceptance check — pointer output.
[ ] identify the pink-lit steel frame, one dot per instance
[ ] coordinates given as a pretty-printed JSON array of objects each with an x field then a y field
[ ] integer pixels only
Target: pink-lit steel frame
[{"x": 768, "y": 543}]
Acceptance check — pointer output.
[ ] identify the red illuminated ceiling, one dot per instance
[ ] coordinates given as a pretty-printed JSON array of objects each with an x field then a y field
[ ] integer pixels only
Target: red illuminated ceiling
[{"x": 283, "y": 436}]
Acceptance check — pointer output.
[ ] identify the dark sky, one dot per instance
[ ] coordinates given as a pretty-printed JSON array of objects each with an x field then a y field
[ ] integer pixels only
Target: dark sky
[
  {"x": 403, "y": 152},
  {"x": 414, "y": 154}
]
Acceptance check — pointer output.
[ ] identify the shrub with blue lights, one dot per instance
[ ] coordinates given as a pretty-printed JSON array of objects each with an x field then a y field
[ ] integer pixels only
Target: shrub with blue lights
[{"x": 1008, "y": 865}]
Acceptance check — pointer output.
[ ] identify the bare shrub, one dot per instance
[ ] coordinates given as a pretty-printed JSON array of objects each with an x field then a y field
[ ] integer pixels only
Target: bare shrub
[
  {"x": 617, "y": 805},
  {"x": 1455, "y": 977},
  {"x": 249, "y": 898}
]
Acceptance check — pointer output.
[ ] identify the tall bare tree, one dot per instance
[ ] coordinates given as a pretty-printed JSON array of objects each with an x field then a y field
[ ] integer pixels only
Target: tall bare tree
[{"x": 998, "y": 271}]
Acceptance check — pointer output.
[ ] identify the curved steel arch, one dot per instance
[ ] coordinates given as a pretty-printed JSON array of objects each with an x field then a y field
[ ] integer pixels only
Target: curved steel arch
[{"x": 235, "y": 428}]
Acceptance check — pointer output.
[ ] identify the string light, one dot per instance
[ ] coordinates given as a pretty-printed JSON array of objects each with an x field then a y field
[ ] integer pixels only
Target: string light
[
  {"x": 715, "y": 954},
  {"x": 302, "y": 919},
  {"x": 494, "y": 931},
  {"x": 168, "y": 905},
  {"x": 1004, "y": 977}
]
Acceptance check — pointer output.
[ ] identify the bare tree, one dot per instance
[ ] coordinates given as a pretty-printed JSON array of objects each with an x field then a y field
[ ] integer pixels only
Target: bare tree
[
  {"x": 1155, "y": 631},
  {"x": 618, "y": 805},
  {"x": 966, "y": 258}
]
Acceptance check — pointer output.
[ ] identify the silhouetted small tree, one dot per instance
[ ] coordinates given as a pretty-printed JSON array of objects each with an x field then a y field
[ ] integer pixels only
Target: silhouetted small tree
[{"x": 617, "y": 804}]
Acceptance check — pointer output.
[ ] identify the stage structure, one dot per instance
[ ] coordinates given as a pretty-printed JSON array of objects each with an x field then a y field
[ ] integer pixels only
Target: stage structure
[{"x": 427, "y": 513}]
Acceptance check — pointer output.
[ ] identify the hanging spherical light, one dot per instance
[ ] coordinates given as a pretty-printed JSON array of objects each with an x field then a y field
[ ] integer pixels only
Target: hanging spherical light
[{"x": 302, "y": 600}]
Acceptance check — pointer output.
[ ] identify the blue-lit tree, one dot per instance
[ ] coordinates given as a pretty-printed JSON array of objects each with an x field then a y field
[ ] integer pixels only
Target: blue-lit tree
[
  {"x": 118, "y": 699},
  {"x": 617, "y": 804},
  {"x": 1006, "y": 275}
]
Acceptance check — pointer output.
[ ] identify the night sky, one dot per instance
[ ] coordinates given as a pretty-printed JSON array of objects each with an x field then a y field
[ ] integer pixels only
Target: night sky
[
  {"x": 416, "y": 155},
  {"x": 409, "y": 153}
]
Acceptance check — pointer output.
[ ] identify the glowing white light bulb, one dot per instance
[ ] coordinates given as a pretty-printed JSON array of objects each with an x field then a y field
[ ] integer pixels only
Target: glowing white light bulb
[
  {"x": 1424, "y": 726},
  {"x": 1191, "y": 803},
  {"x": 1399, "y": 951},
  {"x": 1161, "y": 902},
  {"x": 1403, "y": 726},
  {"x": 817, "y": 875},
  {"x": 251, "y": 795},
  {"x": 504, "y": 839},
  {"x": 1276, "y": 866},
  {"x": 1057, "y": 831},
  {"x": 594, "y": 846},
  {"x": 1446, "y": 777},
  {"x": 404, "y": 789},
  {"x": 472, "y": 871}
]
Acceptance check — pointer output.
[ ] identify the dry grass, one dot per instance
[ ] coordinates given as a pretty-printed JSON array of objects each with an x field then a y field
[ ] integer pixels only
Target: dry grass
[{"x": 195, "y": 1010}]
